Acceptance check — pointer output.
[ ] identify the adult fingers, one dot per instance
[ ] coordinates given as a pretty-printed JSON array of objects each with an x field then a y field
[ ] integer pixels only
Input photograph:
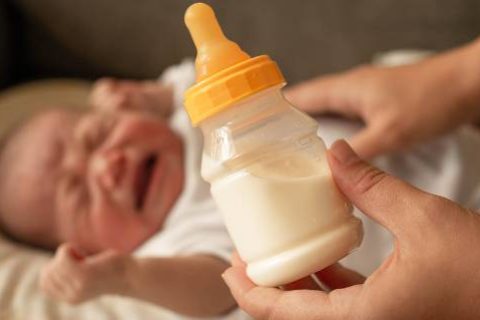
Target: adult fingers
[
  {"x": 336, "y": 277},
  {"x": 324, "y": 94},
  {"x": 370, "y": 142},
  {"x": 390, "y": 201},
  {"x": 275, "y": 304}
]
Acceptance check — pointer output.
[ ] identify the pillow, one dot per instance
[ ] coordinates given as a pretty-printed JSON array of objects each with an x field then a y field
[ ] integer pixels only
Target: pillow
[{"x": 22, "y": 101}]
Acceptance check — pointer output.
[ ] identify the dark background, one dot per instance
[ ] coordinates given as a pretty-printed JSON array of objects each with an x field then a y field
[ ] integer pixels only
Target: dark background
[{"x": 139, "y": 38}]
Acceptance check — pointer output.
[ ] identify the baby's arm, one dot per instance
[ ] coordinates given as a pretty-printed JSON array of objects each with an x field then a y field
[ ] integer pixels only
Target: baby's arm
[{"x": 190, "y": 285}]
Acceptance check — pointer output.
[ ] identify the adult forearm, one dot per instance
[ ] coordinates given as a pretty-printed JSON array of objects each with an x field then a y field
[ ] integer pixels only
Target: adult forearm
[
  {"x": 476, "y": 70},
  {"x": 467, "y": 65},
  {"x": 188, "y": 285}
]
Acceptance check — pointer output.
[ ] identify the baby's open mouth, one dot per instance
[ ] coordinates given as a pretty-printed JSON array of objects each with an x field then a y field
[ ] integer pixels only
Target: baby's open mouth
[{"x": 144, "y": 179}]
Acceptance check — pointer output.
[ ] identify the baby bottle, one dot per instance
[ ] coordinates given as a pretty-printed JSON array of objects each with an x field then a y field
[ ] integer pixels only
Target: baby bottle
[{"x": 265, "y": 163}]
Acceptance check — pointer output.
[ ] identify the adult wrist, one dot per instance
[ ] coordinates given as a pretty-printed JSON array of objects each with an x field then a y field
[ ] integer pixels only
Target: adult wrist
[
  {"x": 476, "y": 54},
  {"x": 474, "y": 69},
  {"x": 469, "y": 68}
]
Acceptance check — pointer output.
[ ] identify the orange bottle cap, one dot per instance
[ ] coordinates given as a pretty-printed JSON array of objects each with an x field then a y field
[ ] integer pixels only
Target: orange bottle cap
[{"x": 225, "y": 73}]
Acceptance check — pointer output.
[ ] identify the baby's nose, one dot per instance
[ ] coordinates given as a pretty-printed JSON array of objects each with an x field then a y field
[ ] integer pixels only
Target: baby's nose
[{"x": 109, "y": 167}]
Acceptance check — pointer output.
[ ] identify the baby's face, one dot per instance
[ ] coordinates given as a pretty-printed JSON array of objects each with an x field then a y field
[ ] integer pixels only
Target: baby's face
[{"x": 100, "y": 181}]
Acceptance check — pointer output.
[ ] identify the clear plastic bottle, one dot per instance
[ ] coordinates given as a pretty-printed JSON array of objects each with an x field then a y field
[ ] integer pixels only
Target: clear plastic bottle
[{"x": 266, "y": 165}]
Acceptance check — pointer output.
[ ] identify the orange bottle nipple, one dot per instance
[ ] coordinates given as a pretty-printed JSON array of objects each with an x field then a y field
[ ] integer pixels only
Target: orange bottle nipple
[
  {"x": 225, "y": 73},
  {"x": 215, "y": 52}
]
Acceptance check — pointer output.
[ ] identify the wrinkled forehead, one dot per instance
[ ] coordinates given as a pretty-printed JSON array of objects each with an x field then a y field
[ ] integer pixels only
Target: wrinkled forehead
[{"x": 29, "y": 163}]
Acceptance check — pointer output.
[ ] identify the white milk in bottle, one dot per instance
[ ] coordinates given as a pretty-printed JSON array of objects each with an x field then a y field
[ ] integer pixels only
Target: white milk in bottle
[{"x": 266, "y": 165}]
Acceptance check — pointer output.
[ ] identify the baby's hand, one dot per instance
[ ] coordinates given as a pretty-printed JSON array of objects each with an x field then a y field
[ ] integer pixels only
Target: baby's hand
[
  {"x": 75, "y": 278},
  {"x": 113, "y": 95}
]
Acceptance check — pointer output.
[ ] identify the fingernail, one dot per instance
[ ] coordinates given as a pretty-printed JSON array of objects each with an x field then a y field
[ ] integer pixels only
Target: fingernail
[{"x": 342, "y": 151}]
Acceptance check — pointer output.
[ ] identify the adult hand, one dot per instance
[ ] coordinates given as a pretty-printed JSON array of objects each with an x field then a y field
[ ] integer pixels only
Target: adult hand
[
  {"x": 401, "y": 106},
  {"x": 432, "y": 273},
  {"x": 75, "y": 278}
]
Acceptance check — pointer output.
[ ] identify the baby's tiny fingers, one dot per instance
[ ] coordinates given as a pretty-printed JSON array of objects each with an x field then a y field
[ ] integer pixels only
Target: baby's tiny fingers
[
  {"x": 54, "y": 288},
  {"x": 71, "y": 252},
  {"x": 65, "y": 288},
  {"x": 63, "y": 249},
  {"x": 105, "y": 83},
  {"x": 119, "y": 101}
]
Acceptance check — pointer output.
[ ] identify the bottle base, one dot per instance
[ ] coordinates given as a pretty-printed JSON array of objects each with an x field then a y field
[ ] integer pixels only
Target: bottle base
[{"x": 305, "y": 259}]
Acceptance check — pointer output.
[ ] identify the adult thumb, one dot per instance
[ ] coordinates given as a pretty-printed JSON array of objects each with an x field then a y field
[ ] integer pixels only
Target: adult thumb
[{"x": 391, "y": 202}]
